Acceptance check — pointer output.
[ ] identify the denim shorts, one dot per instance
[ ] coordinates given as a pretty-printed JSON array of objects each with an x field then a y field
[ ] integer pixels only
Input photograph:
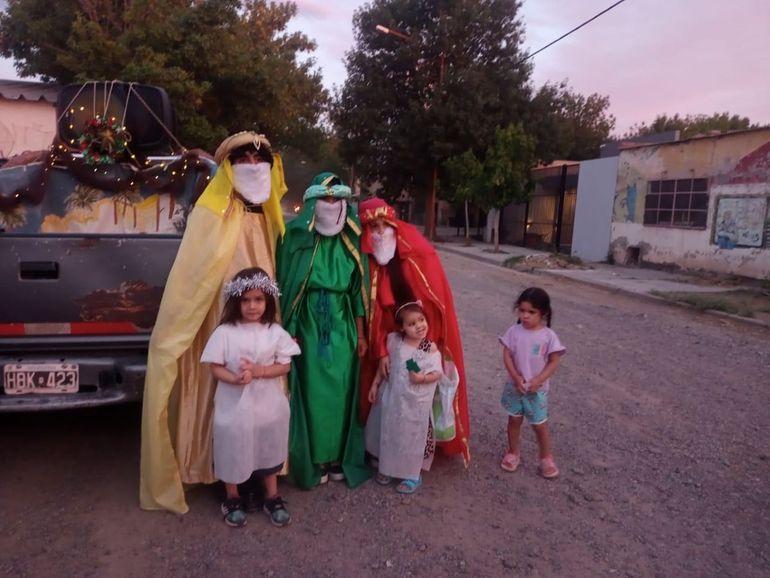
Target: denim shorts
[{"x": 533, "y": 406}]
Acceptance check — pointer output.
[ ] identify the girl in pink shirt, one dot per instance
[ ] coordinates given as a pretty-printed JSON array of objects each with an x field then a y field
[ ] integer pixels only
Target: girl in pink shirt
[{"x": 531, "y": 353}]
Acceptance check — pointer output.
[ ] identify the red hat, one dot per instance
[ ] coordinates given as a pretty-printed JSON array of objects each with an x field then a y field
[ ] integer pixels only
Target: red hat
[
  {"x": 370, "y": 210},
  {"x": 374, "y": 208}
]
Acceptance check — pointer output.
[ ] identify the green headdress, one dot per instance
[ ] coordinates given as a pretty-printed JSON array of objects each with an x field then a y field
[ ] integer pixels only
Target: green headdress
[{"x": 327, "y": 185}]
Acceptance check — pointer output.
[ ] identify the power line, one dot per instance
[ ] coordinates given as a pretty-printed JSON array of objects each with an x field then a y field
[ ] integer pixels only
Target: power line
[{"x": 570, "y": 32}]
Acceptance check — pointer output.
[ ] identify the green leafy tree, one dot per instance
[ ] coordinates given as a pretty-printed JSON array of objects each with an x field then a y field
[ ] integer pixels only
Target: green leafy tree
[
  {"x": 501, "y": 177},
  {"x": 464, "y": 174},
  {"x": 691, "y": 124},
  {"x": 568, "y": 125},
  {"x": 227, "y": 65},
  {"x": 34, "y": 33},
  {"x": 409, "y": 104}
]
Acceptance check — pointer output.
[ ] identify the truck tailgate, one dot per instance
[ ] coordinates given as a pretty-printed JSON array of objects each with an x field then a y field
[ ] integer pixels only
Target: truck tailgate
[{"x": 82, "y": 285}]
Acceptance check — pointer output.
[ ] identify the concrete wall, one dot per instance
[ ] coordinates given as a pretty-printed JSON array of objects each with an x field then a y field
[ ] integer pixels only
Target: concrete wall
[
  {"x": 593, "y": 212},
  {"x": 737, "y": 166},
  {"x": 25, "y": 126}
]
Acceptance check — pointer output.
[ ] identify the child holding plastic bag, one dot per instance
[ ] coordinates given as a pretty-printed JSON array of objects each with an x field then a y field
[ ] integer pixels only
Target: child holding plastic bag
[{"x": 399, "y": 431}]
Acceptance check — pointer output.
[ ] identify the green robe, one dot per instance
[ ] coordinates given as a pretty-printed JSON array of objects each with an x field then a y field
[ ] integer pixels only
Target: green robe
[{"x": 322, "y": 281}]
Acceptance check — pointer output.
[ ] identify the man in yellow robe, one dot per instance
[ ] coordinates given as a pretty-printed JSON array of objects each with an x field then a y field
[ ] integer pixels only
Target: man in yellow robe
[{"x": 233, "y": 225}]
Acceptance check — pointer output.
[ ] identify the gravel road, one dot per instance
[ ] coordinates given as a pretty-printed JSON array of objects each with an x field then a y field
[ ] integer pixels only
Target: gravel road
[{"x": 660, "y": 420}]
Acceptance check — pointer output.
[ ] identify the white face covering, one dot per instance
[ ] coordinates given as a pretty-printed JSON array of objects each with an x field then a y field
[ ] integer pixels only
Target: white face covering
[
  {"x": 384, "y": 245},
  {"x": 330, "y": 217},
  {"x": 252, "y": 181}
]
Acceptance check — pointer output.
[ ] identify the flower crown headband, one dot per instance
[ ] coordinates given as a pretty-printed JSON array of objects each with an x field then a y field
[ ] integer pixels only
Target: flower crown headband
[
  {"x": 241, "y": 285},
  {"x": 407, "y": 304}
]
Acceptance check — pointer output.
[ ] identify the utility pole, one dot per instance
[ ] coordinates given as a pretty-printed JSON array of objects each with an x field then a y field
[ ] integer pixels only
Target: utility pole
[
  {"x": 430, "y": 199},
  {"x": 430, "y": 202}
]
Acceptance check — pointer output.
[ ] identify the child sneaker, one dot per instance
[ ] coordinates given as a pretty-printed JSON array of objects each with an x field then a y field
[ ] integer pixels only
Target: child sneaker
[
  {"x": 235, "y": 515},
  {"x": 548, "y": 468},
  {"x": 276, "y": 509}
]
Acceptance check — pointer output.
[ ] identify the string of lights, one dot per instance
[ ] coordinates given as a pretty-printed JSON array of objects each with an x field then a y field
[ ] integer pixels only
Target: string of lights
[{"x": 101, "y": 157}]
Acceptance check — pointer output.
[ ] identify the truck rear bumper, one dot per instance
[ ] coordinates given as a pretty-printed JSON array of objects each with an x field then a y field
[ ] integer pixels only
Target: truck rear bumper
[{"x": 103, "y": 380}]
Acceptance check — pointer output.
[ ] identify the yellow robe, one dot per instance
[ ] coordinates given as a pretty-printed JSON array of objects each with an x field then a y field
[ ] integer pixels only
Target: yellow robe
[{"x": 220, "y": 240}]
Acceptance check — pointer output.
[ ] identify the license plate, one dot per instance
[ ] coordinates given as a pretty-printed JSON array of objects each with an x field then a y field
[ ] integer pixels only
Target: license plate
[{"x": 40, "y": 378}]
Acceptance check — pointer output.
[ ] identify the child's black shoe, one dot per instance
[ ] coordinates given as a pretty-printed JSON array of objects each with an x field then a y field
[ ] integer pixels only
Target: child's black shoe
[
  {"x": 276, "y": 509},
  {"x": 233, "y": 512}
]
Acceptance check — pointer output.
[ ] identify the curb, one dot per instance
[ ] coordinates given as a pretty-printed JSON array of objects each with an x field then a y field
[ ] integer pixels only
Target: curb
[
  {"x": 646, "y": 296},
  {"x": 662, "y": 300},
  {"x": 482, "y": 258}
]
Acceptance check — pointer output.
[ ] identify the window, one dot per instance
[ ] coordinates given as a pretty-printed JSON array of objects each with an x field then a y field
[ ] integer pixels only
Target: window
[{"x": 677, "y": 203}]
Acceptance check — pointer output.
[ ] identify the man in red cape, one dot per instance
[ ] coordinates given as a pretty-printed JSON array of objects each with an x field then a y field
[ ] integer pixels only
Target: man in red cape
[{"x": 404, "y": 266}]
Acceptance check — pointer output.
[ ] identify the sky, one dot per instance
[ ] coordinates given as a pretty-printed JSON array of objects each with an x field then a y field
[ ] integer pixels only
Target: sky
[{"x": 649, "y": 56}]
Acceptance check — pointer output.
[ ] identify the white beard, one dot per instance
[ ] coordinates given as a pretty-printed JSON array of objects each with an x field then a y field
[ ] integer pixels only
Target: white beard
[
  {"x": 252, "y": 181},
  {"x": 330, "y": 217},
  {"x": 384, "y": 245}
]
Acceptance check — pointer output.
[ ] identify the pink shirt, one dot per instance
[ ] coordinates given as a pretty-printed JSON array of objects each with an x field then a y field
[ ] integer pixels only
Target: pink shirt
[{"x": 530, "y": 349}]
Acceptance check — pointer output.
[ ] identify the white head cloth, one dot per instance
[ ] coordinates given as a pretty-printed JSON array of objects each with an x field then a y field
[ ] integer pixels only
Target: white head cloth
[{"x": 330, "y": 217}]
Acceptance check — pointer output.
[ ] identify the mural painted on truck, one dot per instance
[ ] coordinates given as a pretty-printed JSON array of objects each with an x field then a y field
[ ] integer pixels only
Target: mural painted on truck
[{"x": 70, "y": 207}]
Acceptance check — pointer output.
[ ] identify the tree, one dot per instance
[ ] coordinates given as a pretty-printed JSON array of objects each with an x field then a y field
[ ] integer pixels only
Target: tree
[
  {"x": 465, "y": 173},
  {"x": 691, "y": 124},
  {"x": 408, "y": 105},
  {"x": 568, "y": 125},
  {"x": 227, "y": 65},
  {"x": 501, "y": 177}
]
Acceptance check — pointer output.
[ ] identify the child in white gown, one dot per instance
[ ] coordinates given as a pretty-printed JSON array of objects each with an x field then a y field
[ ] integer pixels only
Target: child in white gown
[
  {"x": 399, "y": 428},
  {"x": 249, "y": 352}
]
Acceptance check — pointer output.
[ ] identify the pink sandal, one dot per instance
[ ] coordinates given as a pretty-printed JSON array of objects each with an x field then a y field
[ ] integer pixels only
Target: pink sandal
[
  {"x": 548, "y": 468},
  {"x": 510, "y": 462}
]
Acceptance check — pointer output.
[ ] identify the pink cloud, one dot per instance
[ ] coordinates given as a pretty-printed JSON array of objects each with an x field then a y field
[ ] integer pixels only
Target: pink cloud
[
  {"x": 654, "y": 57},
  {"x": 314, "y": 8}
]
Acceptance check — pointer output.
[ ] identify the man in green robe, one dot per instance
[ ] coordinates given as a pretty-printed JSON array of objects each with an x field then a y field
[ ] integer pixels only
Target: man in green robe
[{"x": 324, "y": 279}]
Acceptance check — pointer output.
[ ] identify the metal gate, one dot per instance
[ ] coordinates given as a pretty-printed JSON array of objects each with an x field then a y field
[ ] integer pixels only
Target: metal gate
[{"x": 546, "y": 221}]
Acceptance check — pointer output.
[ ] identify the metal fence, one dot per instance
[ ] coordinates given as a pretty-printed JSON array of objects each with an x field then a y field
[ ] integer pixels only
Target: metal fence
[{"x": 546, "y": 221}]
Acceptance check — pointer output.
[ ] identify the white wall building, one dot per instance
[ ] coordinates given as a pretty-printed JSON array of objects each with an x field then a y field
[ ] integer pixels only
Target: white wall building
[
  {"x": 700, "y": 203},
  {"x": 27, "y": 116}
]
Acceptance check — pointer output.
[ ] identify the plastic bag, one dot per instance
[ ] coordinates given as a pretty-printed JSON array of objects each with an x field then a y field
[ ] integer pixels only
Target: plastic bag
[{"x": 443, "y": 404}]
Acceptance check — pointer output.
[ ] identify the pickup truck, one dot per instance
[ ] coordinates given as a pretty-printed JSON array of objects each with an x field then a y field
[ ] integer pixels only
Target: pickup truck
[{"x": 83, "y": 271}]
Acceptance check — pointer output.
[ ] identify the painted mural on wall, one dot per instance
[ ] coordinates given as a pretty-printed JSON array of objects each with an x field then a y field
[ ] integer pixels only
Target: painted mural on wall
[
  {"x": 743, "y": 200},
  {"x": 631, "y": 187},
  {"x": 624, "y": 207},
  {"x": 740, "y": 222},
  {"x": 733, "y": 236}
]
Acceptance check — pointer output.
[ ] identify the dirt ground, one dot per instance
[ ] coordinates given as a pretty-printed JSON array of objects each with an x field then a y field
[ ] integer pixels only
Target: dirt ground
[
  {"x": 534, "y": 262},
  {"x": 660, "y": 426}
]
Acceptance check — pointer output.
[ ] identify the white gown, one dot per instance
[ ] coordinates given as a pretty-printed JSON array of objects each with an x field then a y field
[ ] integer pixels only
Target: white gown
[
  {"x": 397, "y": 428},
  {"x": 251, "y": 422}
]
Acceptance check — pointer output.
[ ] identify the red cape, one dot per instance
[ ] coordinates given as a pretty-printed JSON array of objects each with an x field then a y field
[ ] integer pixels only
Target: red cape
[{"x": 423, "y": 271}]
